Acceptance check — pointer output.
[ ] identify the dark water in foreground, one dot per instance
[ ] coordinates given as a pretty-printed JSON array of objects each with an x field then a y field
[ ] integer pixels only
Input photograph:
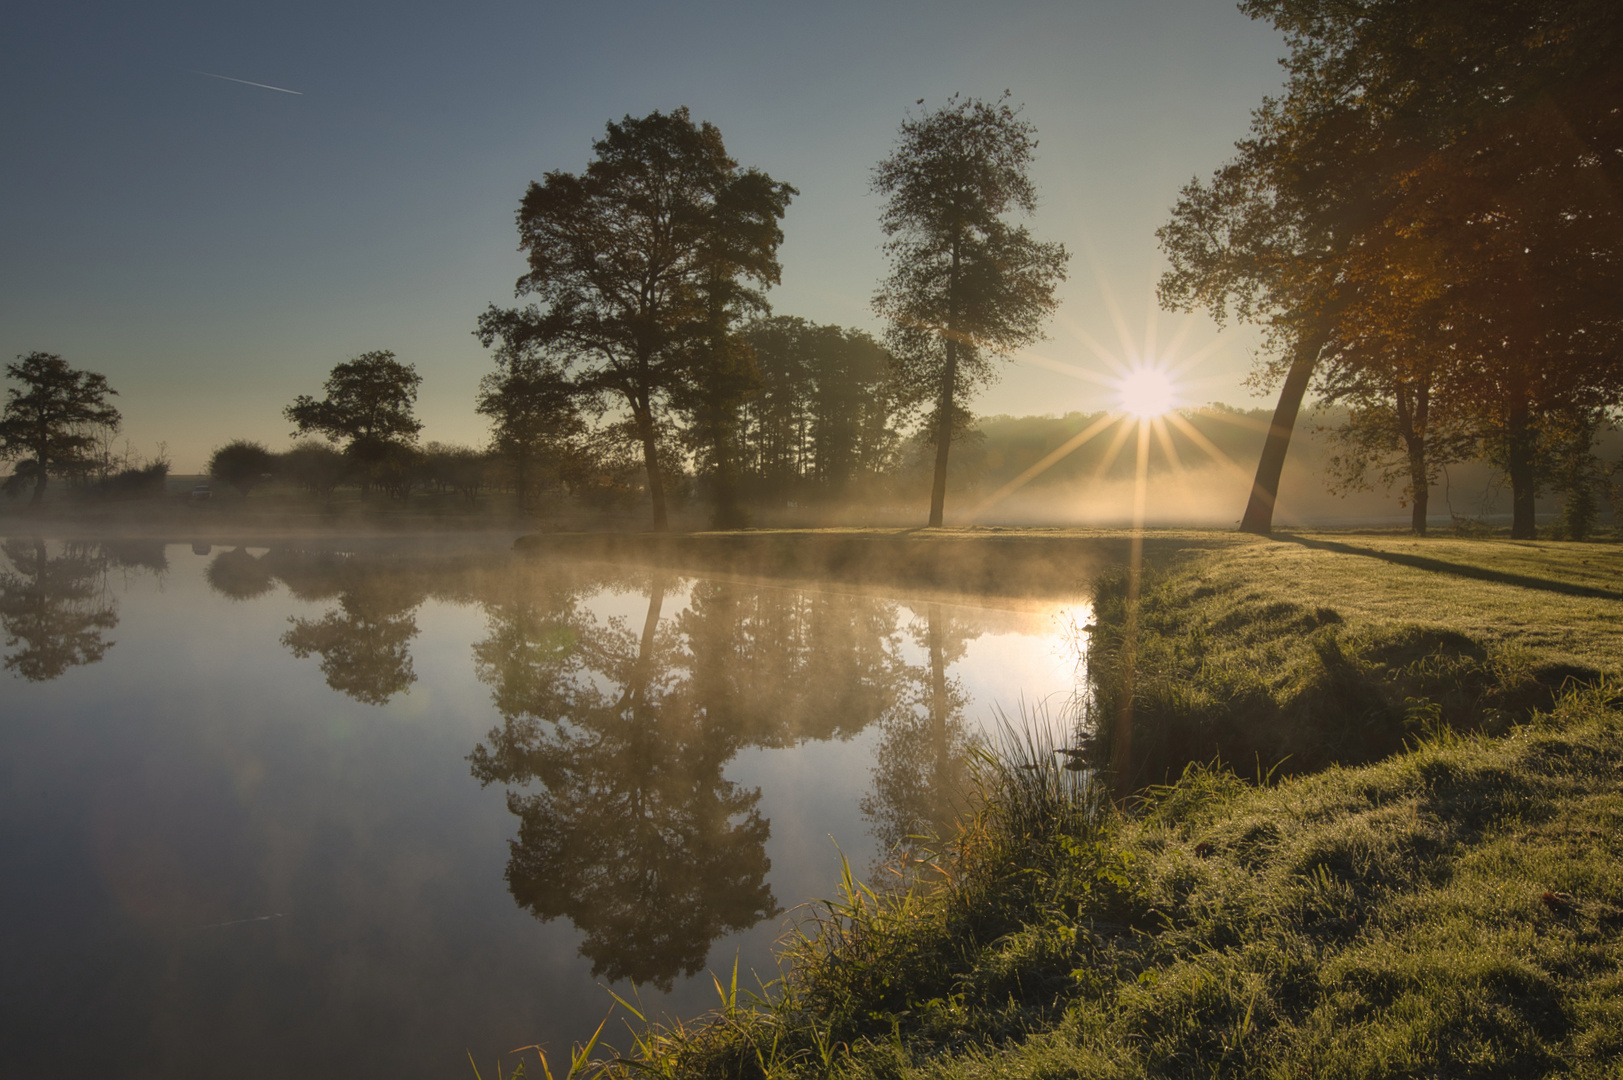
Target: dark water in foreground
[{"x": 292, "y": 813}]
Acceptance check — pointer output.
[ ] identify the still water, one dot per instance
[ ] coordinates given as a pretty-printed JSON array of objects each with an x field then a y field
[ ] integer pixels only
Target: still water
[{"x": 356, "y": 811}]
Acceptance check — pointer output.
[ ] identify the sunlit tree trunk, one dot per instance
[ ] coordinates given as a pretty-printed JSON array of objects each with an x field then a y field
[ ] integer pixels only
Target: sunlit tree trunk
[
  {"x": 1414, "y": 407},
  {"x": 1259, "y": 510},
  {"x": 1519, "y": 463}
]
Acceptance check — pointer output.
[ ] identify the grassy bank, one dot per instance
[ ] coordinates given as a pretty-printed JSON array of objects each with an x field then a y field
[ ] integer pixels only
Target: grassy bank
[
  {"x": 1453, "y": 906},
  {"x": 1318, "y": 650}
]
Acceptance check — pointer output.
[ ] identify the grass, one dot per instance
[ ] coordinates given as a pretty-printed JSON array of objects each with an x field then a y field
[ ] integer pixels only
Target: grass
[
  {"x": 1311, "y": 651},
  {"x": 1437, "y": 891}
]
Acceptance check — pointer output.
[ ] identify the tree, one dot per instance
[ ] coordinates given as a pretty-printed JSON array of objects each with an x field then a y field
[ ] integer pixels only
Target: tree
[
  {"x": 533, "y": 405},
  {"x": 460, "y": 468},
  {"x": 1476, "y": 141},
  {"x": 49, "y": 420},
  {"x": 826, "y": 410},
  {"x": 633, "y": 262},
  {"x": 242, "y": 464},
  {"x": 313, "y": 465},
  {"x": 369, "y": 403},
  {"x": 965, "y": 285}
]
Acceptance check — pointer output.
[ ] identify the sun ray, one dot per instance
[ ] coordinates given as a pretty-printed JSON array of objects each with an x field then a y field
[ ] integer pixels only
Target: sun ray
[
  {"x": 1093, "y": 346},
  {"x": 1162, "y": 436},
  {"x": 1212, "y": 450},
  {"x": 1039, "y": 360},
  {"x": 1070, "y": 445},
  {"x": 1113, "y": 450}
]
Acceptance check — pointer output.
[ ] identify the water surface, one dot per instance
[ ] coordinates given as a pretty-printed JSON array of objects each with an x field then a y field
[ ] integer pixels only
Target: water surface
[{"x": 358, "y": 810}]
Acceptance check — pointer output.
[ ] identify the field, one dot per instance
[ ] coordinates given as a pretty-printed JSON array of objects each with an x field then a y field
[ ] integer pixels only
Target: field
[{"x": 1429, "y": 885}]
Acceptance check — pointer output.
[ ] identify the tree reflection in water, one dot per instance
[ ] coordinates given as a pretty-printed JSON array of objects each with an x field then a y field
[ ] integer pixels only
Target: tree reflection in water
[
  {"x": 615, "y": 736},
  {"x": 921, "y": 763},
  {"x": 239, "y": 575},
  {"x": 365, "y": 642},
  {"x": 614, "y": 743},
  {"x": 56, "y": 609},
  {"x": 635, "y": 835}
]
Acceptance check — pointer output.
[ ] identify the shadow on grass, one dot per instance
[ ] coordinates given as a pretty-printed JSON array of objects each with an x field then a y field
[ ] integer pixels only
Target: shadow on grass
[{"x": 1440, "y": 566}]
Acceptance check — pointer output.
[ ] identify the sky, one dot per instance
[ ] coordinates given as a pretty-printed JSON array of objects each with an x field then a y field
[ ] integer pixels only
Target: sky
[{"x": 214, "y": 248}]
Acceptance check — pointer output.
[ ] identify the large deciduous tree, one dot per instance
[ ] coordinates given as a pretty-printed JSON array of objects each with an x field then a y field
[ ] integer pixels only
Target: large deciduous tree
[
  {"x": 966, "y": 285},
  {"x": 639, "y": 265},
  {"x": 368, "y": 407},
  {"x": 1480, "y": 141},
  {"x": 52, "y": 416}
]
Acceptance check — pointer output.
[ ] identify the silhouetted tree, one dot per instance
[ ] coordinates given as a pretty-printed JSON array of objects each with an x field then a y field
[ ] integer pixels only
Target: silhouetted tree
[
  {"x": 368, "y": 407},
  {"x": 626, "y": 260},
  {"x": 741, "y": 247},
  {"x": 313, "y": 465},
  {"x": 243, "y": 464},
  {"x": 49, "y": 420},
  {"x": 537, "y": 426},
  {"x": 459, "y": 468},
  {"x": 826, "y": 412},
  {"x": 965, "y": 285}
]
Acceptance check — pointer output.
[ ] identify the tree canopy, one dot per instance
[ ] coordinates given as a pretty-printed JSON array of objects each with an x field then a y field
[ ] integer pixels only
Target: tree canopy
[
  {"x": 242, "y": 463},
  {"x": 638, "y": 267},
  {"x": 369, "y": 404},
  {"x": 51, "y": 416},
  {"x": 965, "y": 284},
  {"x": 1429, "y": 212}
]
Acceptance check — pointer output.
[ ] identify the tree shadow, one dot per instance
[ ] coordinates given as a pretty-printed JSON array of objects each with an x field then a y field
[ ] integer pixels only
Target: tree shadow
[{"x": 1441, "y": 566}]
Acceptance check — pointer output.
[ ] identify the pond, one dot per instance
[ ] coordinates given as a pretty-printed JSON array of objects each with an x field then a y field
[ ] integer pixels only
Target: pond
[{"x": 361, "y": 809}]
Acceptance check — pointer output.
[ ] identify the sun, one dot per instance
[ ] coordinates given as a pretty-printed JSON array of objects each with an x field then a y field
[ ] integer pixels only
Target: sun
[{"x": 1146, "y": 392}]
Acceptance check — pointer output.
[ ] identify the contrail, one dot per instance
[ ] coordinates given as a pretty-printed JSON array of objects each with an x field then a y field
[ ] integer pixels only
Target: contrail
[
  {"x": 257, "y": 918},
  {"x": 245, "y": 82}
]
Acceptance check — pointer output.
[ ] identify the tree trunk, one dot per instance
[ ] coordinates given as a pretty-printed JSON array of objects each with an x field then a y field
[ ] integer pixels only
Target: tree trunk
[
  {"x": 938, "y": 489},
  {"x": 1420, "y": 500},
  {"x": 650, "y": 457},
  {"x": 949, "y": 384},
  {"x": 1259, "y": 510},
  {"x": 1412, "y": 415},
  {"x": 39, "y": 487},
  {"x": 728, "y": 514},
  {"x": 1519, "y": 462}
]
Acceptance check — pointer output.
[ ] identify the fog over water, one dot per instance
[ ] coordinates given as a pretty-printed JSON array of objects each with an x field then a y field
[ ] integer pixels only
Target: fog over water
[{"x": 305, "y": 811}]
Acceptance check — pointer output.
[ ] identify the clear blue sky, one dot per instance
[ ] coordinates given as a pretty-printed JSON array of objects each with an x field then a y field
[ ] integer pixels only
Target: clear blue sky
[{"x": 214, "y": 248}]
